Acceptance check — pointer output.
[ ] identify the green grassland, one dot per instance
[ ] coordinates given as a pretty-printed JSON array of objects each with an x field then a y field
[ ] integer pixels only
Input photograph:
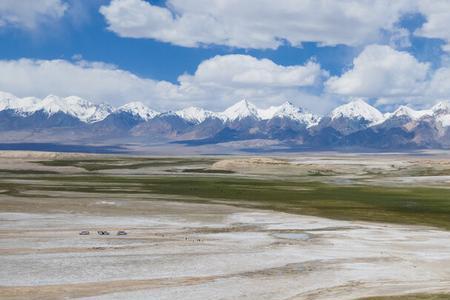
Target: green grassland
[
  {"x": 309, "y": 196},
  {"x": 118, "y": 163}
]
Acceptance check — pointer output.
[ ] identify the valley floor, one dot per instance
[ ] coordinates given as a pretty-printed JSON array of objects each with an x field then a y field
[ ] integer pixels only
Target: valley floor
[{"x": 223, "y": 228}]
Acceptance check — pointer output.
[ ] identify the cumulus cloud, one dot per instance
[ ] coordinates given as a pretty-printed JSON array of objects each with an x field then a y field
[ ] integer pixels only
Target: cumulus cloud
[
  {"x": 244, "y": 70},
  {"x": 217, "y": 82},
  {"x": 221, "y": 80},
  {"x": 255, "y": 24},
  {"x": 437, "y": 14},
  {"x": 380, "y": 71},
  {"x": 439, "y": 85},
  {"x": 29, "y": 14},
  {"x": 392, "y": 77},
  {"x": 97, "y": 81}
]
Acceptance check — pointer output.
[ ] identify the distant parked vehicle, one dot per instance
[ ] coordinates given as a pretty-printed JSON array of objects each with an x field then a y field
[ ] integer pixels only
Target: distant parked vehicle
[
  {"x": 121, "y": 232},
  {"x": 84, "y": 232},
  {"x": 103, "y": 232}
]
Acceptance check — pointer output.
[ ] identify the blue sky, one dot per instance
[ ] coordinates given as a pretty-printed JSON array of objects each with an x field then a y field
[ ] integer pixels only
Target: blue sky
[
  {"x": 311, "y": 62},
  {"x": 90, "y": 38}
]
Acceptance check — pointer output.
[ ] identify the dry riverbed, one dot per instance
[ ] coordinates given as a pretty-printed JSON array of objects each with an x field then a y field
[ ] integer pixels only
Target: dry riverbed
[{"x": 199, "y": 251}]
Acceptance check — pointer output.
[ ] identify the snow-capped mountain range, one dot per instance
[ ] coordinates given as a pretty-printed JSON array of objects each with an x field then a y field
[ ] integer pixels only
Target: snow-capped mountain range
[
  {"x": 77, "y": 107},
  {"x": 353, "y": 124},
  {"x": 89, "y": 112}
]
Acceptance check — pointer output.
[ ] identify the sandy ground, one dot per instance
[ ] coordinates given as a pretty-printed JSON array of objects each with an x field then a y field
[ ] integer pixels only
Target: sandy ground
[
  {"x": 200, "y": 251},
  {"x": 375, "y": 169}
]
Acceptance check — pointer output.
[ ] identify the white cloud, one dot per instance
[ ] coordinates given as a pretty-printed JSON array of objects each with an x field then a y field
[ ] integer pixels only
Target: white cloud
[
  {"x": 221, "y": 80},
  {"x": 437, "y": 14},
  {"x": 392, "y": 77},
  {"x": 29, "y": 14},
  {"x": 439, "y": 85},
  {"x": 96, "y": 81},
  {"x": 255, "y": 24},
  {"x": 380, "y": 71},
  {"x": 399, "y": 38},
  {"x": 217, "y": 82},
  {"x": 244, "y": 70}
]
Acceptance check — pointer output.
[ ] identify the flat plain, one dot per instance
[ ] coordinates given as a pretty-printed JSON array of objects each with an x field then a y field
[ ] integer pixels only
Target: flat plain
[{"x": 305, "y": 226}]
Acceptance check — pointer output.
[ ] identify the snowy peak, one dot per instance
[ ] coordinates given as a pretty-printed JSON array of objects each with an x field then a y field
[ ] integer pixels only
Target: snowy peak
[
  {"x": 22, "y": 106},
  {"x": 6, "y": 99},
  {"x": 268, "y": 113},
  {"x": 138, "y": 109},
  {"x": 442, "y": 107},
  {"x": 242, "y": 109},
  {"x": 71, "y": 105},
  {"x": 357, "y": 109},
  {"x": 290, "y": 111},
  {"x": 441, "y": 112},
  {"x": 195, "y": 114},
  {"x": 287, "y": 109},
  {"x": 75, "y": 106},
  {"x": 405, "y": 111}
]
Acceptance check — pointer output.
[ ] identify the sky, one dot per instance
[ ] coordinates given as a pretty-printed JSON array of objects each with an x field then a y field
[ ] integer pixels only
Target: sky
[{"x": 212, "y": 53}]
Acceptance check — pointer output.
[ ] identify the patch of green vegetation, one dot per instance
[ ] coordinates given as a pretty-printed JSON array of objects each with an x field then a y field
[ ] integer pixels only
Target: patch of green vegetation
[
  {"x": 212, "y": 171},
  {"x": 420, "y": 171},
  {"x": 425, "y": 206},
  {"x": 302, "y": 195},
  {"x": 412, "y": 297},
  {"x": 127, "y": 163},
  {"x": 74, "y": 162},
  {"x": 407, "y": 205},
  {"x": 27, "y": 172},
  {"x": 429, "y": 172},
  {"x": 321, "y": 173}
]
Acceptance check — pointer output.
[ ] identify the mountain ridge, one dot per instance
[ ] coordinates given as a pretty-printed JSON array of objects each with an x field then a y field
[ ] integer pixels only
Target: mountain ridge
[{"x": 353, "y": 124}]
